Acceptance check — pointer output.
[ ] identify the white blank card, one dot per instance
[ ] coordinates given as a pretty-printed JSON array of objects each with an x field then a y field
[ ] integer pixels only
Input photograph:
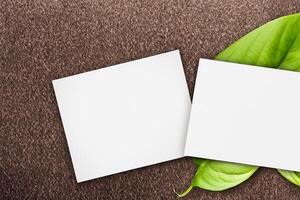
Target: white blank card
[
  {"x": 245, "y": 114},
  {"x": 124, "y": 117}
]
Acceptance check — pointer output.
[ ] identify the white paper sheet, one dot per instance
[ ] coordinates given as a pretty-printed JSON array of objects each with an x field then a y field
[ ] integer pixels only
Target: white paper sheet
[
  {"x": 124, "y": 117},
  {"x": 245, "y": 114}
]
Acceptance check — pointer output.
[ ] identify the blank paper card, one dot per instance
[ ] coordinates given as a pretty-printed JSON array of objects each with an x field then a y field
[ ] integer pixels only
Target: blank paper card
[
  {"x": 245, "y": 114},
  {"x": 126, "y": 116}
]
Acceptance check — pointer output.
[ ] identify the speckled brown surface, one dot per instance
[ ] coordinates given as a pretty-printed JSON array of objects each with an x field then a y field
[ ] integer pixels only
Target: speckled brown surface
[{"x": 41, "y": 40}]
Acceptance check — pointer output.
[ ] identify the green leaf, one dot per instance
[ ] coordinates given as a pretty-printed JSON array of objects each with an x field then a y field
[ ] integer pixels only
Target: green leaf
[
  {"x": 293, "y": 177},
  {"x": 217, "y": 175},
  {"x": 276, "y": 45}
]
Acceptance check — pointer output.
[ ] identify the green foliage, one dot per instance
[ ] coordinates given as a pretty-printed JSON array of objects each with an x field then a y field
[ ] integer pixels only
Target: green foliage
[
  {"x": 293, "y": 177},
  {"x": 276, "y": 45}
]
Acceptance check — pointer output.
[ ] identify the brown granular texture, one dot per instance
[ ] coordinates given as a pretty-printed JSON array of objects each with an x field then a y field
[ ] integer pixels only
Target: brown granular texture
[{"x": 42, "y": 40}]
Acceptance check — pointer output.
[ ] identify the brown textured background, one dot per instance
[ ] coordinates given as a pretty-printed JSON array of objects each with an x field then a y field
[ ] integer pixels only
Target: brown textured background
[{"x": 41, "y": 40}]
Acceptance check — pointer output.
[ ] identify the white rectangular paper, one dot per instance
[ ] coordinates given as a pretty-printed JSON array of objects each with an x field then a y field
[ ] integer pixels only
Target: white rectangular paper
[
  {"x": 245, "y": 114},
  {"x": 124, "y": 117}
]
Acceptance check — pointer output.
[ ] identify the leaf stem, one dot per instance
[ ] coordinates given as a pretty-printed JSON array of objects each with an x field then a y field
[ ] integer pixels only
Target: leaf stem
[{"x": 185, "y": 192}]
